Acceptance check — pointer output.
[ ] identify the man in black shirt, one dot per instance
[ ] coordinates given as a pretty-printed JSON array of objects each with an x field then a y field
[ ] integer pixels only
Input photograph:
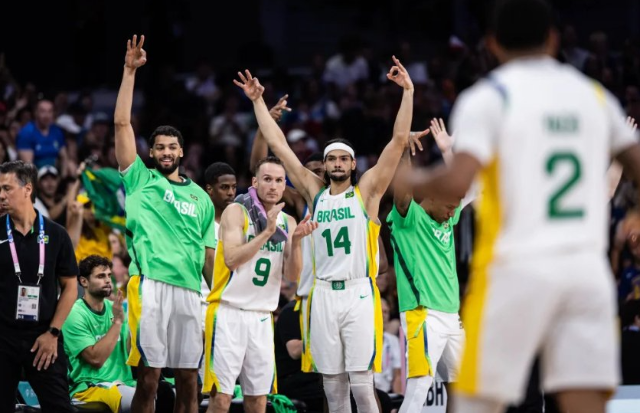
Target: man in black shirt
[
  {"x": 36, "y": 256},
  {"x": 630, "y": 354},
  {"x": 292, "y": 382}
]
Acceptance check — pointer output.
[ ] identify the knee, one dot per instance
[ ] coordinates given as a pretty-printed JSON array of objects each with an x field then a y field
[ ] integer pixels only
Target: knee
[
  {"x": 361, "y": 378},
  {"x": 148, "y": 384},
  {"x": 222, "y": 400}
]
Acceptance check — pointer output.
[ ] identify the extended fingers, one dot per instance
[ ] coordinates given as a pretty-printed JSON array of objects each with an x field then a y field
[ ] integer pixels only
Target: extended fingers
[
  {"x": 244, "y": 79},
  {"x": 141, "y": 42}
]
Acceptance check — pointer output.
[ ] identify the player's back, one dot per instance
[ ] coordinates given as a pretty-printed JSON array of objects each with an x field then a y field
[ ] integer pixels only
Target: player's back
[{"x": 547, "y": 133}]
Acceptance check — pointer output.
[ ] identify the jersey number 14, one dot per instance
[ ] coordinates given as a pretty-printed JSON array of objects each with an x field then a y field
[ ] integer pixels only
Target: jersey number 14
[{"x": 341, "y": 241}]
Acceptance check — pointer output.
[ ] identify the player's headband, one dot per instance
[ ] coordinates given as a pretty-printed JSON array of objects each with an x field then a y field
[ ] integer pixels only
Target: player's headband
[{"x": 341, "y": 146}]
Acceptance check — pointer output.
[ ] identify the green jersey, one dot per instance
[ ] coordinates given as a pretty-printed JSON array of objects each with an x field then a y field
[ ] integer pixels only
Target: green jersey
[
  {"x": 425, "y": 260},
  {"x": 169, "y": 224},
  {"x": 84, "y": 328}
]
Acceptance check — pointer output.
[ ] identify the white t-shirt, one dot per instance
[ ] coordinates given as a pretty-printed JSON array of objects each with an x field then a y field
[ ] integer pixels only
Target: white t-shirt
[{"x": 544, "y": 134}]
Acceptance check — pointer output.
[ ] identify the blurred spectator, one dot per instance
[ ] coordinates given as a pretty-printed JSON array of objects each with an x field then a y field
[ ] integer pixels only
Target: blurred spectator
[
  {"x": 117, "y": 243},
  {"x": 389, "y": 380},
  {"x": 88, "y": 235},
  {"x": 228, "y": 131},
  {"x": 121, "y": 271},
  {"x": 297, "y": 139},
  {"x": 630, "y": 355},
  {"x": 42, "y": 142},
  {"x": 52, "y": 203},
  {"x": 203, "y": 83},
  {"x": 348, "y": 66},
  {"x": 629, "y": 284},
  {"x": 570, "y": 52},
  {"x": 417, "y": 70},
  {"x": 4, "y": 149}
]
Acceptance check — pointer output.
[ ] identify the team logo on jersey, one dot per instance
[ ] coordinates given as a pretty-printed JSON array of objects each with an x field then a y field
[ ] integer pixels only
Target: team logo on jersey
[
  {"x": 349, "y": 194},
  {"x": 445, "y": 225},
  {"x": 195, "y": 198}
]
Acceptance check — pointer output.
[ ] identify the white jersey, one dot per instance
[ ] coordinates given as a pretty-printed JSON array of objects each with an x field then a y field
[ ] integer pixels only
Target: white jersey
[
  {"x": 346, "y": 241},
  {"x": 305, "y": 282},
  {"x": 255, "y": 285},
  {"x": 544, "y": 134}
]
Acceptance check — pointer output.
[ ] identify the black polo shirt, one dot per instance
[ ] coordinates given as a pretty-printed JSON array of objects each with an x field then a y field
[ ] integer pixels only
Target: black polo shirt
[
  {"x": 287, "y": 328},
  {"x": 60, "y": 261}
]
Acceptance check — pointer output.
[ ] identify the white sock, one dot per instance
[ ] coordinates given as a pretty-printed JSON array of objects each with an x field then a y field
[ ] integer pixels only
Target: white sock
[
  {"x": 363, "y": 391},
  {"x": 463, "y": 404},
  {"x": 336, "y": 388},
  {"x": 416, "y": 394}
]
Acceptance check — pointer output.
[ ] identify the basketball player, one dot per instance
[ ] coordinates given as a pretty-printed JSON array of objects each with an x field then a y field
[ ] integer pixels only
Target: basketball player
[
  {"x": 171, "y": 238},
  {"x": 251, "y": 260},
  {"x": 427, "y": 280},
  {"x": 540, "y": 280},
  {"x": 346, "y": 320}
]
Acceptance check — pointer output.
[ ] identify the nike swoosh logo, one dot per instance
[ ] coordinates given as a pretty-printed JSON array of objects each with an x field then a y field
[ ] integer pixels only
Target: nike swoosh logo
[
  {"x": 364, "y": 296},
  {"x": 3, "y": 241},
  {"x": 263, "y": 319}
]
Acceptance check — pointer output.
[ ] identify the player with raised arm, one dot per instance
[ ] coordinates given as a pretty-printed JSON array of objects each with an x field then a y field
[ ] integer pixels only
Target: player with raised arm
[
  {"x": 171, "y": 238},
  {"x": 428, "y": 292},
  {"x": 540, "y": 279},
  {"x": 346, "y": 319},
  {"x": 259, "y": 244}
]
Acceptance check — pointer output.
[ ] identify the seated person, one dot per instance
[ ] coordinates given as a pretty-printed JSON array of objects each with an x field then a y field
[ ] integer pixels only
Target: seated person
[{"x": 95, "y": 340}]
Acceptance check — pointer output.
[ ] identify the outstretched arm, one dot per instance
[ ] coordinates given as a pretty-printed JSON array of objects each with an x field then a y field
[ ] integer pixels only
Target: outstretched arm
[
  {"x": 376, "y": 180},
  {"x": 125, "y": 137},
  {"x": 304, "y": 180},
  {"x": 260, "y": 149}
]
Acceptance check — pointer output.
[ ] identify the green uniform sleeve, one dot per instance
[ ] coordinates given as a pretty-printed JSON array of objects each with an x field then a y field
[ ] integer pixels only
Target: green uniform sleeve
[
  {"x": 456, "y": 215},
  {"x": 209, "y": 226},
  {"x": 406, "y": 221},
  {"x": 136, "y": 176},
  {"x": 77, "y": 333}
]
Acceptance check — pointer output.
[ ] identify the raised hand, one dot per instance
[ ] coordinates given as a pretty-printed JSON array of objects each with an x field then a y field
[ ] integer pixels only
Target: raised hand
[
  {"x": 276, "y": 111},
  {"x": 399, "y": 75},
  {"x": 305, "y": 227},
  {"x": 439, "y": 132},
  {"x": 632, "y": 123},
  {"x": 118, "y": 312},
  {"x": 136, "y": 56},
  {"x": 250, "y": 85},
  {"x": 272, "y": 217},
  {"x": 414, "y": 140}
]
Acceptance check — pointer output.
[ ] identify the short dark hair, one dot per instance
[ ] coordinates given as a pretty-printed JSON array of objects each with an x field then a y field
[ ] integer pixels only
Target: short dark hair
[
  {"x": 521, "y": 24},
  {"x": 268, "y": 159},
  {"x": 314, "y": 157},
  {"x": 354, "y": 173},
  {"x": 215, "y": 171},
  {"x": 87, "y": 265},
  {"x": 165, "y": 130},
  {"x": 26, "y": 173}
]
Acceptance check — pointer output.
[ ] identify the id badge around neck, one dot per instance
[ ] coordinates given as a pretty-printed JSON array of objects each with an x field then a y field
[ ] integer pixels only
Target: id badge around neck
[{"x": 28, "y": 308}]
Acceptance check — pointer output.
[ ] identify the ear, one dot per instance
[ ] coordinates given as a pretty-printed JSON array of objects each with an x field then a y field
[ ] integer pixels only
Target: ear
[
  {"x": 181, "y": 152},
  {"x": 208, "y": 188},
  {"x": 28, "y": 190},
  {"x": 254, "y": 182},
  {"x": 151, "y": 152},
  {"x": 494, "y": 47},
  {"x": 84, "y": 282}
]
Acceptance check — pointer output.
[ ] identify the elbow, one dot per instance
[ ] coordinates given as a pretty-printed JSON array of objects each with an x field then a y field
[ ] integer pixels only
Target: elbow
[
  {"x": 119, "y": 122},
  {"x": 231, "y": 263},
  {"x": 96, "y": 364}
]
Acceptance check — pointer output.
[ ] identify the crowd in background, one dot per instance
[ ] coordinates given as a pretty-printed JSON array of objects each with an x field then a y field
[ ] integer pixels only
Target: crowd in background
[{"x": 345, "y": 95}]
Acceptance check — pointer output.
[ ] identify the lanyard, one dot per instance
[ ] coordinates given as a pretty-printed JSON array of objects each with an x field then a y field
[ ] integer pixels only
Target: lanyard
[{"x": 14, "y": 253}]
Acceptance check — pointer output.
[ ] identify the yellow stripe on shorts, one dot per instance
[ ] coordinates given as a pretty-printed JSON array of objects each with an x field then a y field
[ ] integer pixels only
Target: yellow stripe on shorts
[
  {"x": 418, "y": 361},
  {"x": 111, "y": 396}
]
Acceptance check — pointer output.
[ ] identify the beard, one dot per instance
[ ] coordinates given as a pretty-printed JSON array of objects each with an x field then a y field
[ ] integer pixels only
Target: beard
[
  {"x": 166, "y": 170},
  {"x": 102, "y": 293},
  {"x": 338, "y": 178}
]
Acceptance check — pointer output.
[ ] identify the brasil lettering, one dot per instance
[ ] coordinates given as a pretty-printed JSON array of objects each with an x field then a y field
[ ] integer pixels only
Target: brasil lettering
[
  {"x": 184, "y": 208},
  {"x": 269, "y": 246},
  {"x": 337, "y": 214}
]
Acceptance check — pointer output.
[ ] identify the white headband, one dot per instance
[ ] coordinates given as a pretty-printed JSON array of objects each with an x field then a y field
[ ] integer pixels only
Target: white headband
[{"x": 341, "y": 146}]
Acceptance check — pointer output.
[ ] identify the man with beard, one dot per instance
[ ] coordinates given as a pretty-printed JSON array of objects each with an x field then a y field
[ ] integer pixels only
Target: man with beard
[
  {"x": 96, "y": 334},
  {"x": 346, "y": 318},
  {"x": 171, "y": 238}
]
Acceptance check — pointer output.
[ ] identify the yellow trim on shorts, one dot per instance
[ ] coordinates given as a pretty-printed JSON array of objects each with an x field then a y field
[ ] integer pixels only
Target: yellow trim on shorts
[
  {"x": 134, "y": 311},
  {"x": 488, "y": 221},
  {"x": 221, "y": 275},
  {"x": 418, "y": 361},
  {"x": 210, "y": 378},
  {"x": 111, "y": 396}
]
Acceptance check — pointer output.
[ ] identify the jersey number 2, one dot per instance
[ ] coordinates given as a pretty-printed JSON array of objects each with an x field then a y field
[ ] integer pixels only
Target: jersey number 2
[
  {"x": 554, "y": 209},
  {"x": 341, "y": 241},
  {"x": 263, "y": 268}
]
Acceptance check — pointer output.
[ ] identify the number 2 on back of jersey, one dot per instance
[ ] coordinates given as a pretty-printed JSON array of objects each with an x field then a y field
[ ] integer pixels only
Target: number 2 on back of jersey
[
  {"x": 554, "y": 208},
  {"x": 342, "y": 241}
]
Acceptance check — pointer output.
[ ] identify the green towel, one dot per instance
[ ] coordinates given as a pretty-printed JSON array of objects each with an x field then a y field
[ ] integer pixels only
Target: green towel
[{"x": 281, "y": 403}]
